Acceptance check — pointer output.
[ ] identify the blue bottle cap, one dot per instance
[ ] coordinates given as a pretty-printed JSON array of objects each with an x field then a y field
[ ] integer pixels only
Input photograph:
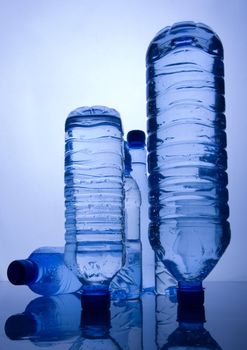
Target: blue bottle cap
[
  {"x": 136, "y": 138},
  {"x": 22, "y": 272},
  {"x": 96, "y": 303}
]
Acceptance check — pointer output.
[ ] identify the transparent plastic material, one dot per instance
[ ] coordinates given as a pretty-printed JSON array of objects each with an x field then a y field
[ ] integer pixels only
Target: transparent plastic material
[
  {"x": 44, "y": 272},
  {"x": 127, "y": 283},
  {"x": 94, "y": 196},
  {"x": 136, "y": 144},
  {"x": 154, "y": 274},
  {"x": 187, "y": 159}
]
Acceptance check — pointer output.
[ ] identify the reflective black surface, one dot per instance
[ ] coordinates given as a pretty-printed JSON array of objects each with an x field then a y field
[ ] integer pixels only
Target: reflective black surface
[{"x": 29, "y": 321}]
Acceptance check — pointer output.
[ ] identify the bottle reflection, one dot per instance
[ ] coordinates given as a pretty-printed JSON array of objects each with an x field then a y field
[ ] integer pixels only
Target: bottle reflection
[
  {"x": 190, "y": 333},
  {"x": 95, "y": 331},
  {"x": 47, "y": 321},
  {"x": 127, "y": 323}
]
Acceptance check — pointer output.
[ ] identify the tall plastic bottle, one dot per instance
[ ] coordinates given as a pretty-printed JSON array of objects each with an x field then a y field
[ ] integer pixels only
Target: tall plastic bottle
[
  {"x": 94, "y": 198},
  {"x": 136, "y": 143},
  {"x": 154, "y": 273},
  {"x": 187, "y": 159},
  {"x": 44, "y": 272},
  {"x": 127, "y": 283}
]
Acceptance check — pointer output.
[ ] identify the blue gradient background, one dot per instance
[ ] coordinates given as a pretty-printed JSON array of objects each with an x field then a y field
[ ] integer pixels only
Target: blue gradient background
[{"x": 57, "y": 55}]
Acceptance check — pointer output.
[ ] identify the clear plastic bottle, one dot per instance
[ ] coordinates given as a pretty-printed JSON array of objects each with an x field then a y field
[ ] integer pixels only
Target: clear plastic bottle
[
  {"x": 94, "y": 197},
  {"x": 44, "y": 272},
  {"x": 187, "y": 159},
  {"x": 127, "y": 283},
  {"x": 154, "y": 272},
  {"x": 136, "y": 143}
]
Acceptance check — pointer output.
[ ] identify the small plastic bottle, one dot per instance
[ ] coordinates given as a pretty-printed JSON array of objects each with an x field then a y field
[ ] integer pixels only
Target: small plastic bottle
[
  {"x": 154, "y": 272},
  {"x": 127, "y": 283},
  {"x": 136, "y": 144},
  {"x": 94, "y": 198},
  {"x": 187, "y": 159},
  {"x": 44, "y": 272}
]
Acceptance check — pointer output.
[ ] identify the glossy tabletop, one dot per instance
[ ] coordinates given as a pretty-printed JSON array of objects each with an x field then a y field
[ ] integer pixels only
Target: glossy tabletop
[{"x": 29, "y": 321}]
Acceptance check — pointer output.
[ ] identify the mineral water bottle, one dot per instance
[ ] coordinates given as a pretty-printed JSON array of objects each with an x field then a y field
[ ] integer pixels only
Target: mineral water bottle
[
  {"x": 94, "y": 197},
  {"x": 127, "y": 283},
  {"x": 44, "y": 272},
  {"x": 187, "y": 159},
  {"x": 136, "y": 143},
  {"x": 151, "y": 275}
]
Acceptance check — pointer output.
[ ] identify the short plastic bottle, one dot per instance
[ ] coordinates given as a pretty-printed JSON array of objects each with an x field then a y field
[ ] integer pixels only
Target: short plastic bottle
[
  {"x": 94, "y": 198},
  {"x": 127, "y": 284},
  {"x": 187, "y": 159},
  {"x": 44, "y": 272}
]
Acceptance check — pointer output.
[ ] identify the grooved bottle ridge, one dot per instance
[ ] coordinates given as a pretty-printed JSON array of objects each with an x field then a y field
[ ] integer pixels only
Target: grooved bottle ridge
[
  {"x": 187, "y": 159},
  {"x": 94, "y": 195}
]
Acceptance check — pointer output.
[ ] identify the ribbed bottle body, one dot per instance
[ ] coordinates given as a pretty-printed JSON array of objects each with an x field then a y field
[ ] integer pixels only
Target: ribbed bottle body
[
  {"x": 187, "y": 159},
  {"x": 94, "y": 193}
]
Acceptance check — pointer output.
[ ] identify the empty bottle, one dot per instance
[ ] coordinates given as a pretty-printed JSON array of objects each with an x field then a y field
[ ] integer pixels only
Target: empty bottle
[
  {"x": 154, "y": 273},
  {"x": 127, "y": 283},
  {"x": 187, "y": 159},
  {"x": 94, "y": 197},
  {"x": 136, "y": 143},
  {"x": 44, "y": 272}
]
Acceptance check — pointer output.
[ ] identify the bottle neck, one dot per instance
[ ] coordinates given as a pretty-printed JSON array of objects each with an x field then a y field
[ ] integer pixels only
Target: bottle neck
[
  {"x": 138, "y": 155},
  {"x": 23, "y": 272}
]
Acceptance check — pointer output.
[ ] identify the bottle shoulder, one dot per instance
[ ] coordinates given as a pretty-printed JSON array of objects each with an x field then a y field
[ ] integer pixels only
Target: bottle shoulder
[
  {"x": 131, "y": 189},
  {"x": 181, "y": 35}
]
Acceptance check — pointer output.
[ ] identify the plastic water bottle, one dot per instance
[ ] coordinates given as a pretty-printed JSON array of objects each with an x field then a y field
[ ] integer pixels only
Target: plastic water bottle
[
  {"x": 136, "y": 143},
  {"x": 44, "y": 272},
  {"x": 127, "y": 283},
  {"x": 154, "y": 271},
  {"x": 94, "y": 198},
  {"x": 187, "y": 159},
  {"x": 47, "y": 321}
]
